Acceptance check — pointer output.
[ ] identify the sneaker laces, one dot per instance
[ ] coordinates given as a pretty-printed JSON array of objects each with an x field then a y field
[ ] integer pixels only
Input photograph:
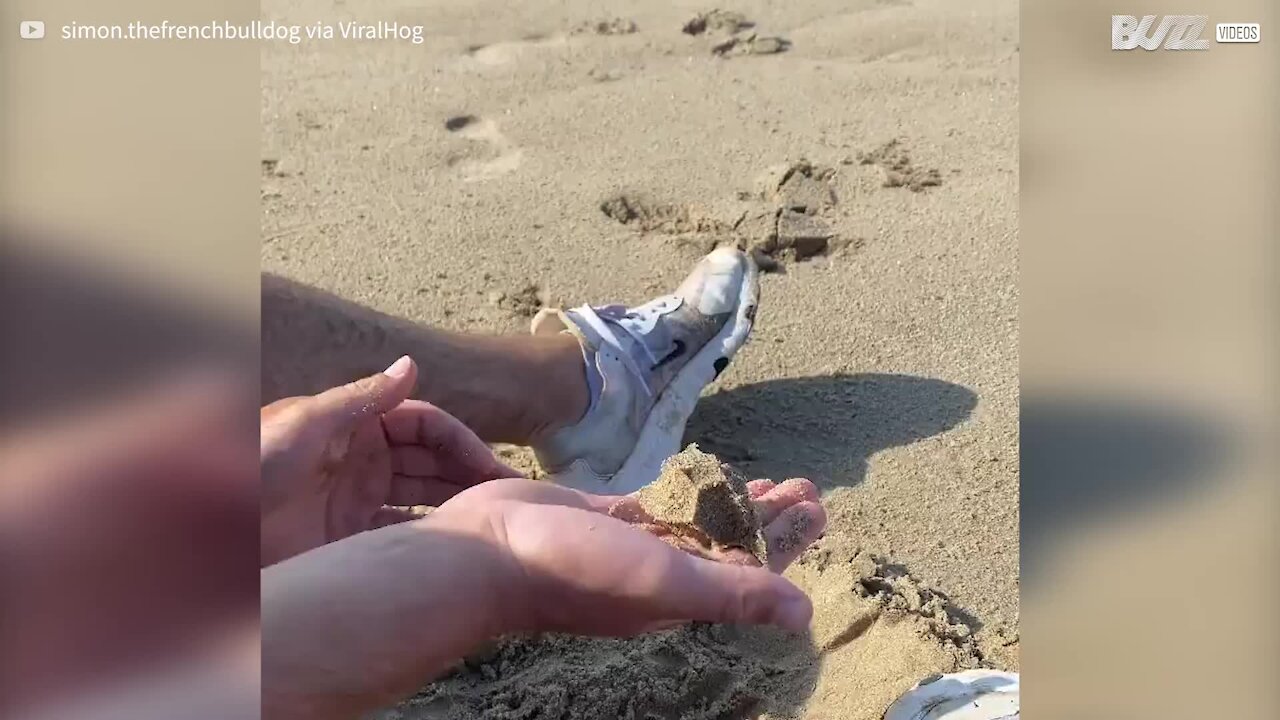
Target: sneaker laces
[
  {"x": 599, "y": 324},
  {"x": 603, "y": 320}
]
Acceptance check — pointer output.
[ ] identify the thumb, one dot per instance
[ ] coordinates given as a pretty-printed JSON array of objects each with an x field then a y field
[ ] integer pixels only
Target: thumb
[
  {"x": 711, "y": 591},
  {"x": 373, "y": 395}
]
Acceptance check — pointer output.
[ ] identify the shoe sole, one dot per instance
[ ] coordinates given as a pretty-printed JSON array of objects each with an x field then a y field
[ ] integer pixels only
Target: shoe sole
[
  {"x": 966, "y": 695},
  {"x": 663, "y": 429}
]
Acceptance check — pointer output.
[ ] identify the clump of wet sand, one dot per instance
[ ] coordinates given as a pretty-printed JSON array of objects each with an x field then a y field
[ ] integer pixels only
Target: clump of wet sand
[
  {"x": 701, "y": 499},
  {"x": 717, "y": 21},
  {"x": 751, "y": 44}
]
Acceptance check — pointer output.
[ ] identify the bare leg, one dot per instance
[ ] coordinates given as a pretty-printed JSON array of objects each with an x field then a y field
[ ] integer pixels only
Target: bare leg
[{"x": 506, "y": 389}]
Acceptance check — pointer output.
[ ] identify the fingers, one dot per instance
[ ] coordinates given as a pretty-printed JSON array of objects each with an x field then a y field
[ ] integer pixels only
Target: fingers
[
  {"x": 769, "y": 497},
  {"x": 628, "y": 509},
  {"x": 710, "y": 591},
  {"x": 429, "y": 442},
  {"x": 391, "y": 516},
  {"x": 420, "y": 423},
  {"x": 414, "y": 461},
  {"x": 394, "y": 516},
  {"x": 607, "y": 503},
  {"x": 615, "y": 578},
  {"x": 774, "y": 500},
  {"x": 409, "y": 491},
  {"x": 372, "y": 395},
  {"x": 795, "y": 529},
  {"x": 420, "y": 462},
  {"x": 792, "y": 517}
]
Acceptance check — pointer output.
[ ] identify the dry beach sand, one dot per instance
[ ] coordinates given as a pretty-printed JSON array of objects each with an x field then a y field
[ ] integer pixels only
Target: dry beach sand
[{"x": 564, "y": 152}]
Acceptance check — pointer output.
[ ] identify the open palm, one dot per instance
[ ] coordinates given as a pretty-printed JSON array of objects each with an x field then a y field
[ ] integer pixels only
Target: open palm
[{"x": 596, "y": 565}]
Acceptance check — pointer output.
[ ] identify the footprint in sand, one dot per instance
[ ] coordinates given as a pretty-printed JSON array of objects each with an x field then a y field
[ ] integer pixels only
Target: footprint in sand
[
  {"x": 786, "y": 218},
  {"x": 501, "y": 156},
  {"x": 503, "y": 53},
  {"x": 608, "y": 26},
  {"x": 899, "y": 171}
]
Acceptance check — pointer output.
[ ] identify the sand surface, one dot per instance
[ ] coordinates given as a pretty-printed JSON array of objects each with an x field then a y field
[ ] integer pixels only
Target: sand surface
[
  {"x": 574, "y": 151},
  {"x": 877, "y": 632}
]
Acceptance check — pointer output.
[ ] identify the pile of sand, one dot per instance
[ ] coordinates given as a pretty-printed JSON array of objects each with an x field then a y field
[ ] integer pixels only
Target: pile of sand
[
  {"x": 697, "y": 499},
  {"x": 876, "y": 632}
]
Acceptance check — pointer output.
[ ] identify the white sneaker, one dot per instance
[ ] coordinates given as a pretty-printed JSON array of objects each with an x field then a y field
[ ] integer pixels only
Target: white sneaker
[
  {"x": 968, "y": 695},
  {"x": 654, "y": 360}
]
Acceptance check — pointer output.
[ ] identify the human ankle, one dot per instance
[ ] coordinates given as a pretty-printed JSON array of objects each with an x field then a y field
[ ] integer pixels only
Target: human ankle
[{"x": 571, "y": 390}]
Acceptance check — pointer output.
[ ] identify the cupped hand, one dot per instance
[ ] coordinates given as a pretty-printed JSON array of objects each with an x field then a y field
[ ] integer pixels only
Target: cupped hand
[
  {"x": 571, "y": 566},
  {"x": 791, "y": 516},
  {"x": 352, "y": 458}
]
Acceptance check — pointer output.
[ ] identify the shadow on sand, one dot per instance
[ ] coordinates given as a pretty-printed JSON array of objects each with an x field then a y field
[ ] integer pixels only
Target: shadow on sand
[{"x": 824, "y": 428}]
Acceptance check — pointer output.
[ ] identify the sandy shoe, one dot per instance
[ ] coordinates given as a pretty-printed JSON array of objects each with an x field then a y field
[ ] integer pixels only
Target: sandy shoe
[
  {"x": 968, "y": 695},
  {"x": 652, "y": 362}
]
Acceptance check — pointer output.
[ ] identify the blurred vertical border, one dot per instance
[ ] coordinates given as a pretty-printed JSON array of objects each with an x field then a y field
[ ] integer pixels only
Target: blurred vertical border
[
  {"x": 129, "y": 198},
  {"x": 129, "y": 257},
  {"x": 1149, "y": 319}
]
